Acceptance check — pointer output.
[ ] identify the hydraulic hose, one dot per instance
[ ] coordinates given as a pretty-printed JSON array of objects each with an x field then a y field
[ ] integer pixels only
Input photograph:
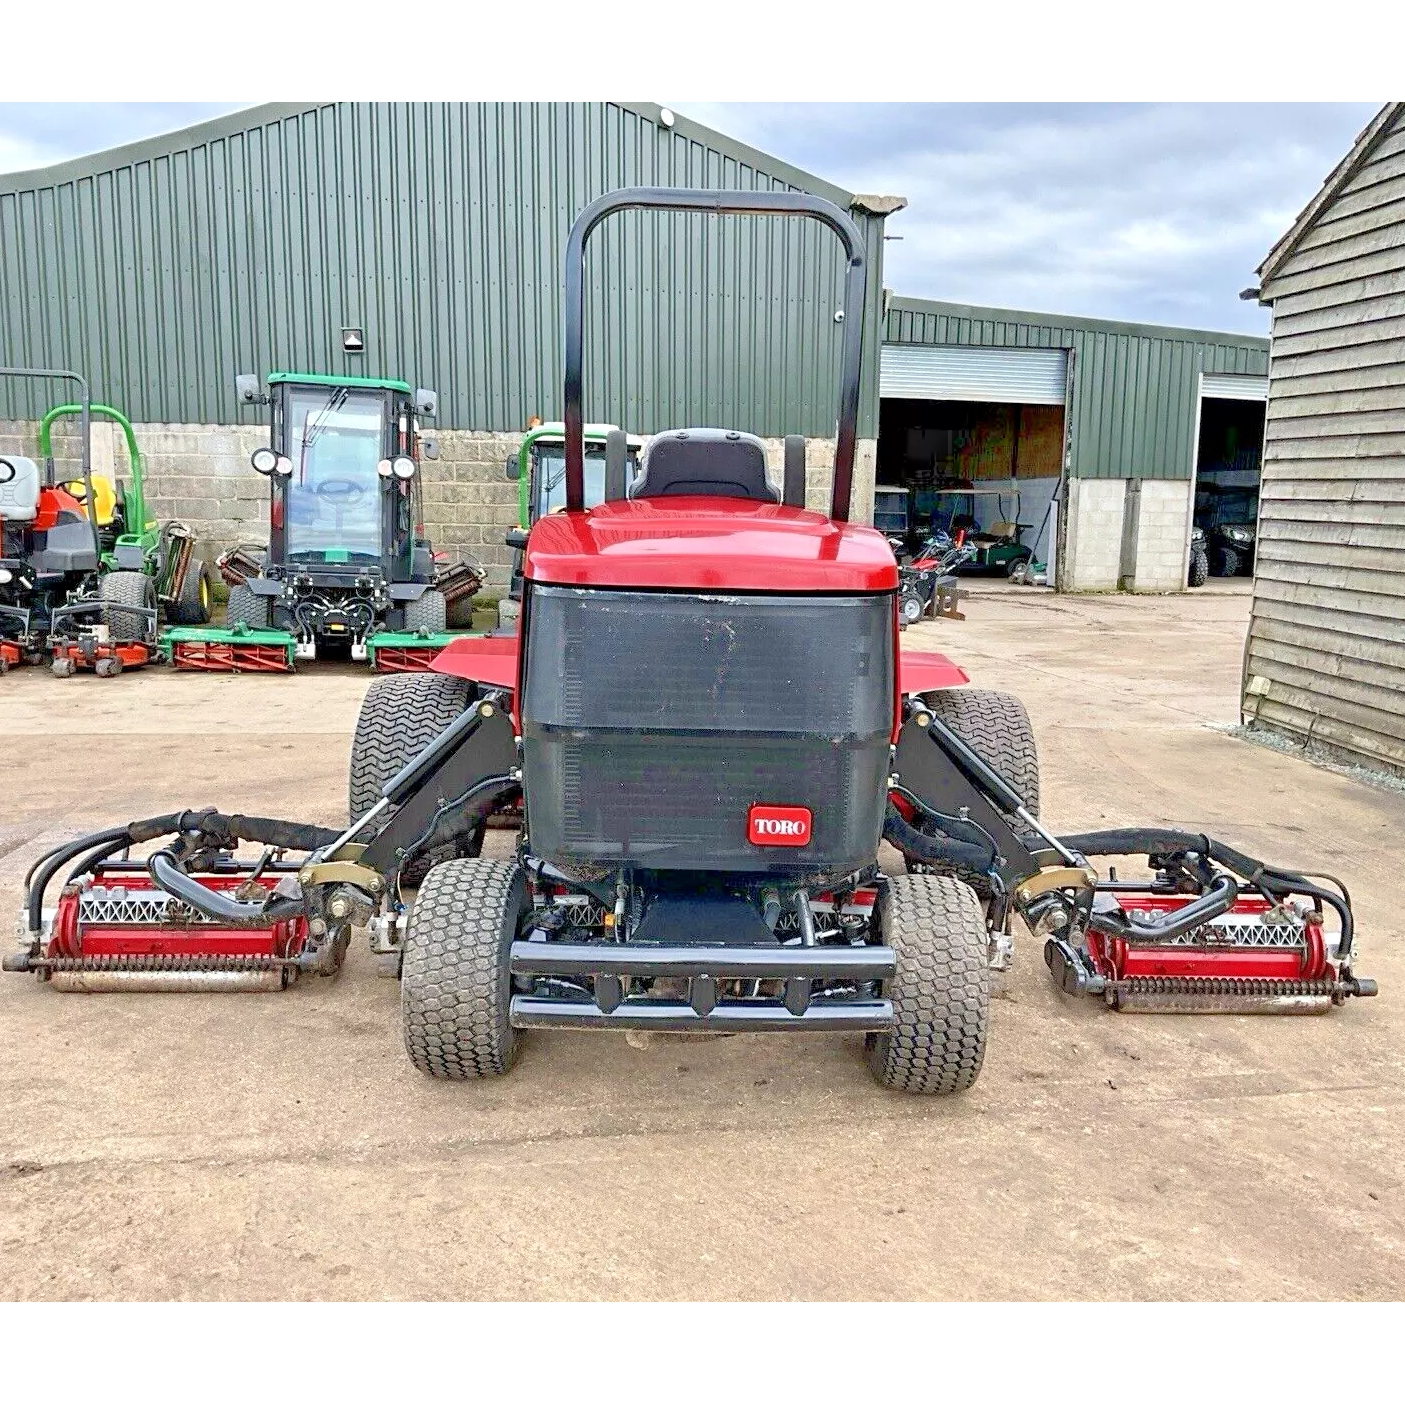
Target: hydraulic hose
[
  {"x": 933, "y": 848},
  {"x": 230, "y": 829},
  {"x": 1219, "y": 898},
  {"x": 168, "y": 875},
  {"x": 43, "y": 872}
]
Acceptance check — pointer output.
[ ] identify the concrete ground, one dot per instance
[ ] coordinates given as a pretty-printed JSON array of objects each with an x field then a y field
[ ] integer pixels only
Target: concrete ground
[{"x": 282, "y": 1146}]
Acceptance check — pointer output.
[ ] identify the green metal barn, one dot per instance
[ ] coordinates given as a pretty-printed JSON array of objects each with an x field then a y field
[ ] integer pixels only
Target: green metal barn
[{"x": 424, "y": 241}]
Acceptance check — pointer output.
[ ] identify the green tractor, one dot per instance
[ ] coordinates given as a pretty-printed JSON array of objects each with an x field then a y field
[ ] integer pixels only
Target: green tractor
[
  {"x": 347, "y": 569},
  {"x": 539, "y": 468},
  {"x": 86, "y": 571}
]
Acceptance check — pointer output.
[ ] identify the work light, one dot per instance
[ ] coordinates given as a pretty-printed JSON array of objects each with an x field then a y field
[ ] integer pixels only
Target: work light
[
  {"x": 264, "y": 460},
  {"x": 403, "y": 466},
  {"x": 284, "y": 465}
]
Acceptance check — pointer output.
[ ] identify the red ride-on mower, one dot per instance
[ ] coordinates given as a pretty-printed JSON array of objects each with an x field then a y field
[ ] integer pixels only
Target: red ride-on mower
[{"x": 710, "y": 730}]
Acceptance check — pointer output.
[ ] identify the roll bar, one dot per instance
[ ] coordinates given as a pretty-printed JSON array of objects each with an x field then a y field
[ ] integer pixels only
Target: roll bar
[
  {"x": 86, "y": 431},
  {"x": 721, "y": 202}
]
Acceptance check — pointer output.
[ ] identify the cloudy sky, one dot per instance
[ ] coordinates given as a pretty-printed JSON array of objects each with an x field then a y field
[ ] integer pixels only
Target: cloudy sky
[{"x": 1149, "y": 212}]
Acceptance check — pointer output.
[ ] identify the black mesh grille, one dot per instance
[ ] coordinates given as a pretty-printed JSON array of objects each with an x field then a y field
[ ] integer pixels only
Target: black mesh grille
[{"x": 653, "y": 722}]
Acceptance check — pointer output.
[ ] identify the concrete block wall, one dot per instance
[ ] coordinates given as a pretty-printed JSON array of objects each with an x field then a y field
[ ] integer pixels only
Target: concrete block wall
[
  {"x": 200, "y": 475},
  {"x": 1092, "y": 556},
  {"x": 1157, "y": 559}
]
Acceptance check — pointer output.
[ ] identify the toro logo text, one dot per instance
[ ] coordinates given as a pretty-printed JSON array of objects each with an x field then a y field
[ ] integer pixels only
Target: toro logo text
[{"x": 783, "y": 826}]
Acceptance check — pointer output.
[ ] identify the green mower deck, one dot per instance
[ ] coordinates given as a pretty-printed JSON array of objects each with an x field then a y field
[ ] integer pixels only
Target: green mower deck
[
  {"x": 241, "y": 649},
  {"x": 205, "y": 649}
]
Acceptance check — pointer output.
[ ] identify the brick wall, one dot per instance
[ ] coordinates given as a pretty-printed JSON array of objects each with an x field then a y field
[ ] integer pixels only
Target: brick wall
[
  {"x": 200, "y": 475},
  {"x": 1092, "y": 555},
  {"x": 1159, "y": 555}
]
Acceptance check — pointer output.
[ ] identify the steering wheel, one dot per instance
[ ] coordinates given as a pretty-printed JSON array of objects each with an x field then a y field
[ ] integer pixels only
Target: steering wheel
[{"x": 340, "y": 492}]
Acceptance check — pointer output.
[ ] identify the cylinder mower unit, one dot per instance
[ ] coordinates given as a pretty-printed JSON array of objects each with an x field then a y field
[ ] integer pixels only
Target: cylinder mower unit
[
  {"x": 707, "y": 729},
  {"x": 347, "y": 567}
]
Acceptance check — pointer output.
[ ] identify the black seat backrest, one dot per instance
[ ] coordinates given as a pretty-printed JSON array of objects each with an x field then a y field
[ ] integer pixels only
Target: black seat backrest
[{"x": 720, "y": 463}]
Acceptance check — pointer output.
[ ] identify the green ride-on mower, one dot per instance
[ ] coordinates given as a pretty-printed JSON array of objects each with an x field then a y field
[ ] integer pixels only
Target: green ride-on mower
[
  {"x": 539, "y": 469},
  {"x": 347, "y": 569},
  {"x": 85, "y": 572}
]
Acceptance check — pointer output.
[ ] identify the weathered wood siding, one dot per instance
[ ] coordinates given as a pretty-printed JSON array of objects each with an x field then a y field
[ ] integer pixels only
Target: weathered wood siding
[{"x": 1328, "y": 629}]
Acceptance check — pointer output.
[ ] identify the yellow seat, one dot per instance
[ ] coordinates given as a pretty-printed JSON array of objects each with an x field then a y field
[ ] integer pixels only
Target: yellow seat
[{"x": 104, "y": 494}]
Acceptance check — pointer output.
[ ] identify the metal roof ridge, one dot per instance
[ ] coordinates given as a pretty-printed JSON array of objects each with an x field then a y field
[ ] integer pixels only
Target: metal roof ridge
[
  {"x": 129, "y": 153},
  {"x": 749, "y": 155},
  {"x": 978, "y": 312},
  {"x": 246, "y": 118}
]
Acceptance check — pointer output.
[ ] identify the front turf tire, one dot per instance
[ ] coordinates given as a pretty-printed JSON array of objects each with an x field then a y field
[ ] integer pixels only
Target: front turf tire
[
  {"x": 455, "y": 986},
  {"x": 125, "y": 597},
  {"x": 941, "y": 992},
  {"x": 429, "y": 612}
]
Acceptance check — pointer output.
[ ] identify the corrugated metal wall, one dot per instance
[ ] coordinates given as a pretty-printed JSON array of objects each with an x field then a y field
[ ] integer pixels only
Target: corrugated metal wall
[
  {"x": 1133, "y": 397},
  {"x": 1326, "y": 654},
  {"x": 164, "y": 269}
]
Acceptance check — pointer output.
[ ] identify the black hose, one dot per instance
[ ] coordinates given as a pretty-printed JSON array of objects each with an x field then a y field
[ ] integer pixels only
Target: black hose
[
  {"x": 89, "y": 862},
  {"x": 43, "y": 872},
  {"x": 465, "y": 820},
  {"x": 1218, "y": 899},
  {"x": 1278, "y": 882},
  {"x": 930, "y": 848},
  {"x": 168, "y": 875},
  {"x": 227, "y": 830}
]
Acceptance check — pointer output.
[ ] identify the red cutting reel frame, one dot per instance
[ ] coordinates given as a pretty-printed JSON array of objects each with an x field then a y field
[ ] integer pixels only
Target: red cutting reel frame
[
  {"x": 1258, "y": 957},
  {"x": 115, "y": 929}
]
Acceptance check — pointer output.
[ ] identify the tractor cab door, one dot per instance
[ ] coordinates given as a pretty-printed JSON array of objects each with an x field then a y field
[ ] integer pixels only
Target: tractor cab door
[{"x": 337, "y": 507}]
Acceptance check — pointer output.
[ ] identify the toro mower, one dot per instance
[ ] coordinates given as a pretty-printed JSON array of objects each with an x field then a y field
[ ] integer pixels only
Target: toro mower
[
  {"x": 347, "y": 568},
  {"x": 710, "y": 728},
  {"x": 84, "y": 572}
]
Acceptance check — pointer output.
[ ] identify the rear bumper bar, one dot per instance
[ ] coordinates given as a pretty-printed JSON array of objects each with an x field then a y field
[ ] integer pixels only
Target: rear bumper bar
[
  {"x": 854, "y": 963},
  {"x": 750, "y": 1017},
  {"x": 607, "y": 965}
]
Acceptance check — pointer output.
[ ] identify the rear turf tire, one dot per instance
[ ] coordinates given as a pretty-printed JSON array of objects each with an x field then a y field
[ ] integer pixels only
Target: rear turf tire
[
  {"x": 1199, "y": 568},
  {"x": 1224, "y": 561},
  {"x": 245, "y": 607},
  {"x": 941, "y": 992},
  {"x": 996, "y": 727},
  {"x": 455, "y": 985},
  {"x": 125, "y": 595},
  {"x": 193, "y": 604},
  {"x": 429, "y": 612}
]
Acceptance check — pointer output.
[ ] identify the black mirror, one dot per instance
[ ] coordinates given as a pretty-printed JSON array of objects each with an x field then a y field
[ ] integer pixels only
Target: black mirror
[
  {"x": 426, "y": 403},
  {"x": 429, "y": 446},
  {"x": 247, "y": 389},
  {"x": 516, "y": 538},
  {"x": 513, "y": 467}
]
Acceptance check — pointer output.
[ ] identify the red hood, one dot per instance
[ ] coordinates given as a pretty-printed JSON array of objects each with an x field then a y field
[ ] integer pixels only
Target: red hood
[{"x": 708, "y": 543}]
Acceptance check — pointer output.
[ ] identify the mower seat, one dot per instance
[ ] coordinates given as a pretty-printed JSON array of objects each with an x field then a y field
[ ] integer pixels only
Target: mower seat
[
  {"x": 19, "y": 489},
  {"x": 997, "y": 534},
  {"x": 104, "y": 497},
  {"x": 716, "y": 463}
]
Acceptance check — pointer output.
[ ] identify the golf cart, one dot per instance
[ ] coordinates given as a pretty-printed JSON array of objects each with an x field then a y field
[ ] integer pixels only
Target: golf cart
[
  {"x": 85, "y": 572},
  {"x": 347, "y": 568},
  {"x": 998, "y": 548}
]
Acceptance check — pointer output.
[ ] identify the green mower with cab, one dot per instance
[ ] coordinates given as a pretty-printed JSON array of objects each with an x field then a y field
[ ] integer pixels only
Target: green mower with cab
[{"x": 348, "y": 570}]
